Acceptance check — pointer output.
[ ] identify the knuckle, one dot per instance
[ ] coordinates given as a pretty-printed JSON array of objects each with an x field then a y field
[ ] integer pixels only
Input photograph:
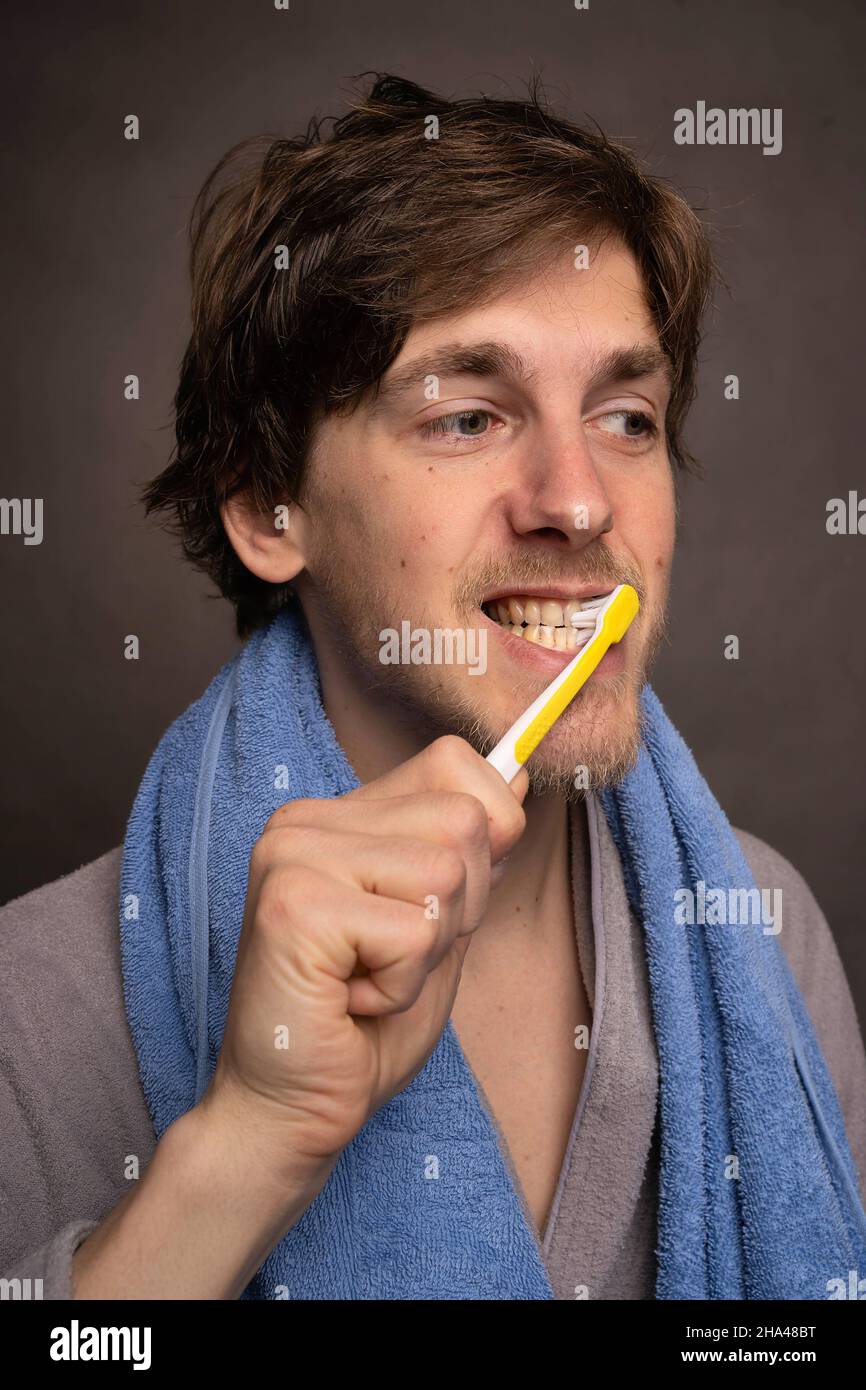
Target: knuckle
[
  {"x": 275, "y": 848},
  {"x": 425, "y": 939},
  {"x": 446, "y": 872},
  {"x": 465, "y": 818},
  {"x": 292, "y": 813},
  {"x": 515, "y": 819},
  {"x": 285, "y": 895},
  {"x": 260, "y": 857},
  {"x": 450, "y": 752}
]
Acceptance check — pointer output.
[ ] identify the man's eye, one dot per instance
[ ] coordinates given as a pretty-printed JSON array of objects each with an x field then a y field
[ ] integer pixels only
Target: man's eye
[
  {"x": 630, "y": 424},
  {"x": 445, "y": 424}
]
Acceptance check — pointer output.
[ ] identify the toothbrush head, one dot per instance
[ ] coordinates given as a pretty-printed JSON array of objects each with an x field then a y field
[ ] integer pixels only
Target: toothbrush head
[{"x": 617, "y": 612}]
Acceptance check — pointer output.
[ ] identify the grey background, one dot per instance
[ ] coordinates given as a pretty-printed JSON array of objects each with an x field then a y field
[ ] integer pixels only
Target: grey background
[{"x": 94, "y": 272}]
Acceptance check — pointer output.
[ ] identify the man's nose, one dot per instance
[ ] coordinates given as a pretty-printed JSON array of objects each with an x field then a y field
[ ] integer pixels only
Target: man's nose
[{"x": 556, "y": 488}]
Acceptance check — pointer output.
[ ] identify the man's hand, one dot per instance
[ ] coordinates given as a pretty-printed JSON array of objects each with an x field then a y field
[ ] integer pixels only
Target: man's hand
[{"x": 359, "y": 912}]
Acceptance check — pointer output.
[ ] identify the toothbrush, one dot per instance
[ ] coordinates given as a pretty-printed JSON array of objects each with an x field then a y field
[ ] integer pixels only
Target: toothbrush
[{"x": 614, "y": 616}]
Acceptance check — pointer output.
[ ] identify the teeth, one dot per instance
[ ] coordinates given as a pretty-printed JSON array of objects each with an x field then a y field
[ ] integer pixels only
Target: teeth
[
  {"x": 551, "y": 614},
  {"x": 568, "y": 612},
  {"x": 561, "y": 627}
]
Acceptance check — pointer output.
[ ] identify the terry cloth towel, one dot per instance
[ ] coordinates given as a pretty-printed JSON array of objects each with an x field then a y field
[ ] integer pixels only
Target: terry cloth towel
[{"x": 758, "y": 1195}]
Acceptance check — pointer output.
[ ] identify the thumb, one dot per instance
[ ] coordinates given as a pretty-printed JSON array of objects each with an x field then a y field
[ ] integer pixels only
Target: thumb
[{"x": 520, "y": 784}]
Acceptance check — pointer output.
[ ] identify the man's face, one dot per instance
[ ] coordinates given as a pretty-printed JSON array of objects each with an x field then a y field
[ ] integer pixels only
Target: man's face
[{"x": 459, "y": 483}]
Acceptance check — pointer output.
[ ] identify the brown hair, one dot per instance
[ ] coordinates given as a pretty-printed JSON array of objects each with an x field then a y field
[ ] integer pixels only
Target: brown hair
[{"x": 385, "y": 227}]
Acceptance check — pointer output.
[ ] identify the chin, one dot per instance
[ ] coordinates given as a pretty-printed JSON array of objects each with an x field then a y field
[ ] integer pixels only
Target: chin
[{"x": 593, "y": 745}]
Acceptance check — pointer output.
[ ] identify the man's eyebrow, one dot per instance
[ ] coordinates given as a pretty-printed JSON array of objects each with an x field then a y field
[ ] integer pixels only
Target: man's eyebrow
[
  {"x": 493, "y": 359},
  {"x": 453, "y": 359},
  {"x": 627, "y": 364}
]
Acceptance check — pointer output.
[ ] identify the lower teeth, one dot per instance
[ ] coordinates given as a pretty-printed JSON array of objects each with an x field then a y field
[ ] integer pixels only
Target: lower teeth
[{"x": 559, "y": 638}]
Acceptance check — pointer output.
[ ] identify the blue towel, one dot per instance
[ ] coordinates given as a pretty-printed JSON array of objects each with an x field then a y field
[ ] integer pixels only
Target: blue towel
[{"x": 420, "y": 1205}]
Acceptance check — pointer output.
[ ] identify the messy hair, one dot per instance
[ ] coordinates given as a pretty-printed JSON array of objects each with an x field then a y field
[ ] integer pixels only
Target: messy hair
[{"x": 413, "y": 206}]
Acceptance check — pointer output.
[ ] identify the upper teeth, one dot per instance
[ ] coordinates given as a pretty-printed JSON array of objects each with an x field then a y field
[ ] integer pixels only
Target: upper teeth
[
  {"x": 520, "y": 609},
  {"x": 547, "y": 621}
]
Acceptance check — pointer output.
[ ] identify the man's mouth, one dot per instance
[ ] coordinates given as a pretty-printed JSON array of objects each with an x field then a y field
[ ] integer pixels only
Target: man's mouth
[{"x": 563, "y": 622}]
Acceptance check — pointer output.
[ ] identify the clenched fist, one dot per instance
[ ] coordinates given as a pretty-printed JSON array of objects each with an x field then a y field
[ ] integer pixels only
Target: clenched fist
[{"x": 359, "y": 911}]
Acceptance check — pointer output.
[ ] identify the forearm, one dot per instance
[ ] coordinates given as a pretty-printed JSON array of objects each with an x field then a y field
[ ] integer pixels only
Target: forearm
[{"x": 200, "y": 1222}]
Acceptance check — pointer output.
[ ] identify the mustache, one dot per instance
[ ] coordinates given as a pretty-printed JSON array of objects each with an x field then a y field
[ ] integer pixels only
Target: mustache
[{"x": 600, "y": 567}]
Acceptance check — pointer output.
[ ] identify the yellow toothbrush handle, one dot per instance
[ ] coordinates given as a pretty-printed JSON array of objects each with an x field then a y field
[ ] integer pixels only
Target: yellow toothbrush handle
[{"x": 614, "y": 625}]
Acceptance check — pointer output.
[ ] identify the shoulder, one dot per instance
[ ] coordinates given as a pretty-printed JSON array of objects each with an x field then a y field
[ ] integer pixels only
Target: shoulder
[
  {"x": 70, "y": 1096},
  {"x": 805, "y": 934},
  {"x": 71, "y": 922},
  {"x": 813, "y": 956},
  {"x": 96, "y": 882},
  {"x": 61, "y": 984},
  {"x": 60, "y": 969}
]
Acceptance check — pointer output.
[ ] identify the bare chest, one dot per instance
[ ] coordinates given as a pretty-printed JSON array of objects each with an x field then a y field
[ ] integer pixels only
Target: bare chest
[{"x": 523, "y": 1022}]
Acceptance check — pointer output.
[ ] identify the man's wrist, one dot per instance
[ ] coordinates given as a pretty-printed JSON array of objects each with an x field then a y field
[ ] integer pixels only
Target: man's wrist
[
  {"x": 234, "y": 1177},
  {"x": 202, "y": 1219},
  {"x": 234, "y": 1140}
]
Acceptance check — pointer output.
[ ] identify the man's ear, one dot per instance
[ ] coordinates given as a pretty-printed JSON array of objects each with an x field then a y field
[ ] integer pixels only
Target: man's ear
[{"x": 269, "y": 543}]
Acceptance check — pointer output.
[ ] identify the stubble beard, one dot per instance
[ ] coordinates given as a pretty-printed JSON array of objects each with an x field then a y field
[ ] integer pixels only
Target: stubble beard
[{"x": 594, "y": 745}]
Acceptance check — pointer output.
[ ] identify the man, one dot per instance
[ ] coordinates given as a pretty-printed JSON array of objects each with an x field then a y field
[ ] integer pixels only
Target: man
[{"x": 438, "y": 374}]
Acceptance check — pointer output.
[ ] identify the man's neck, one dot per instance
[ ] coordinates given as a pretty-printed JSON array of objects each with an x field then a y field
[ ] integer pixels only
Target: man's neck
[{"x": 533, "y": 899}]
